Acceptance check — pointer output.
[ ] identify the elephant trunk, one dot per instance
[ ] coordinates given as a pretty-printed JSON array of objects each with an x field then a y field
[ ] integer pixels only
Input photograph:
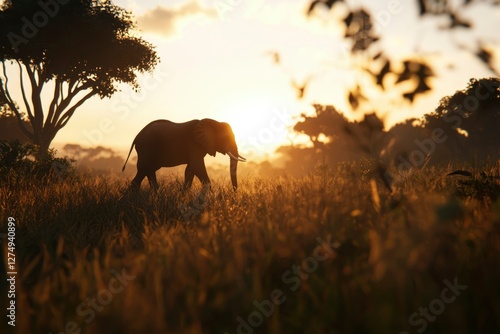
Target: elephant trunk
[{"x": 233, "y": 166}]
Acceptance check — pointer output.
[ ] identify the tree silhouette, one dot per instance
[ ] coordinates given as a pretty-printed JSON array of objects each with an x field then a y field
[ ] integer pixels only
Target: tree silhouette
[
  {"x": 463, "y": 127},
  {"x": 73, "y": 49},
  {"x": 9, "y": 126},
  {"x": 335, "y": 139},
  {"x": 474, "y": 113},
  {"x": 101, "y": 160}
]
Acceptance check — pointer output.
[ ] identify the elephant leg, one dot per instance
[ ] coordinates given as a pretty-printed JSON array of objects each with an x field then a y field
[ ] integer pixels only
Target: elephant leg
[
  {"x": 136, "y": 182},
  {"x": 201, "y": 172},
  {"x": 188, "y": 177},
  {"x": 153, "y": 182}
]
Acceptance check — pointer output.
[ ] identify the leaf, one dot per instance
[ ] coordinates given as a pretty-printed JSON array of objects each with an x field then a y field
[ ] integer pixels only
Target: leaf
[
  {"x": 377, "y": 56},
  {"x": 363, "y": 42},
  {"x": 421, "y": 7},
  {"x": 409, "y": 96},
  {"x": 383, "y": 72},
  {"x": 348, "y": 19},
  {"x": 407, "y": 72},
  {"x": 327, "y": 3},
  {"x": 275, "y": 56},
  {"x": 353, "y": 101},
  {"x": 422, "y": 87},
  {"x": 460, "y": 172},
  {"x": 458, "y": 22},
  {"x": 405, "y": 75},
  {"x": 312, "y": 6},
  {"x": 486, "y": 57},
  {"x": 424, "y": 71},
  {"x": 330, "y": 3},
  {"x": 414, "y": 68}
]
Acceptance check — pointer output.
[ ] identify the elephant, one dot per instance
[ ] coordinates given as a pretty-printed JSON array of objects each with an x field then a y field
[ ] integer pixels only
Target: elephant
[{"x": 163, "y": 143}]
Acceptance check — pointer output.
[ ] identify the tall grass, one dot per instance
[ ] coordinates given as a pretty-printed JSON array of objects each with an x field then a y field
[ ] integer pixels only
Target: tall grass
[{"x": 201, "y": 260}]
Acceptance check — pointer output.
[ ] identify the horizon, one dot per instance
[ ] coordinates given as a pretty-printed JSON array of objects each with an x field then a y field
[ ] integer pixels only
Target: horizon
[{"x": 236, "y": 80}]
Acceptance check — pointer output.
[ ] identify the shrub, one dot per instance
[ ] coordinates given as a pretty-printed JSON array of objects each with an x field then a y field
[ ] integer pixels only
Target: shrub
[{"x": 17, "y": 161}]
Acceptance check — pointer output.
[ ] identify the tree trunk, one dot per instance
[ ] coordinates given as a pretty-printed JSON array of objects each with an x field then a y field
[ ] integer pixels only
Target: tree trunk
[{"x": 43, "y": 141}]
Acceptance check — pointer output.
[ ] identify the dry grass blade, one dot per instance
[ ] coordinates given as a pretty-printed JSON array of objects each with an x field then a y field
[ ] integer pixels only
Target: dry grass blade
[{"x": 460, "y": 172}]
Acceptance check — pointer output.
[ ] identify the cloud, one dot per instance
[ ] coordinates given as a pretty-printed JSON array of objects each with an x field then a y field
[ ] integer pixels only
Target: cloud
[{"x": 164, "y": 20}]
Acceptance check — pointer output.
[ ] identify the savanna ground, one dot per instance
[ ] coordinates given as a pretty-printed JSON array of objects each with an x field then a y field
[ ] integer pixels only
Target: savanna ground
[{"x": 334, "y": 252}]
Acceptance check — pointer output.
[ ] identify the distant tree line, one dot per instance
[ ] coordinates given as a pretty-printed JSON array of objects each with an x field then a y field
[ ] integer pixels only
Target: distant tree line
[{"x": 464, "y": 127}]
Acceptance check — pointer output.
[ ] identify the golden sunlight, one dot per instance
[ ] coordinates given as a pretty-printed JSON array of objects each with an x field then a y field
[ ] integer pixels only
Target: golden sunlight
[{"x": 260, "y": 123}]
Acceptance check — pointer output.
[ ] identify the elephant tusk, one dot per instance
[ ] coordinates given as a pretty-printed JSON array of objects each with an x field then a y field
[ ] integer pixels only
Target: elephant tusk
[{"x": 239, "y": 158}]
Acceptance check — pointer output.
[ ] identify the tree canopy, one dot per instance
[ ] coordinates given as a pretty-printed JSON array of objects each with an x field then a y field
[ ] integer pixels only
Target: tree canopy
[
  {"x": 464, "y": 127},
  {"x": 86, "y": 48}
]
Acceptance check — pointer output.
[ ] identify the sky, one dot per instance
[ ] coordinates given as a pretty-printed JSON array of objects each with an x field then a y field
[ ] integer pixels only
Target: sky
[{"x": 216, "y": 62}]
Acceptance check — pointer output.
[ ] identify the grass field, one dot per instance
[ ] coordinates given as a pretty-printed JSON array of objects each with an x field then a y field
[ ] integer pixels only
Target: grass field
[{"x": 333, "y": 252}]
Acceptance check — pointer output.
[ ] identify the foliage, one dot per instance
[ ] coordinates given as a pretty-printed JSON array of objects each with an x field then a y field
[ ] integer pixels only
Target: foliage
[
  {"x": 84, "y": 47},
  {"x": 390, "y": 255},
  {"x": 86, "y": 42},
  {"x": 483, "y": 187},
  {"x": 335, "y": 139},
  {"x": 480, "y": 97},
  {"x": 467, "y": 124},
  {"x": 475, "y": 110},
  {"x": 9, "y": 125},
  {"x": 366, "y": 45},
  {"x": 97, "y": 159},
  {"x": 17, "y": 163}
]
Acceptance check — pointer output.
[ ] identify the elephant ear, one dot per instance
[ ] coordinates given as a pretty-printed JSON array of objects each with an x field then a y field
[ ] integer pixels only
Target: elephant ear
[{"x": 204, "y": 134}]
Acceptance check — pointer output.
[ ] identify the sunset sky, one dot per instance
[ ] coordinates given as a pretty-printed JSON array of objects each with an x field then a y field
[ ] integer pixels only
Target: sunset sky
[{"x": 216, "y": 63}]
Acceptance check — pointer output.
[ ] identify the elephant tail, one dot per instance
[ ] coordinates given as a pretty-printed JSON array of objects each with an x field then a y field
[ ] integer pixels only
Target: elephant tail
[{"x": 131, "y": 147}]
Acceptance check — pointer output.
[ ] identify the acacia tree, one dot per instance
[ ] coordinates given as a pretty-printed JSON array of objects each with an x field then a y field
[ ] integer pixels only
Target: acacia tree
[{"x": 69, "y": 50}]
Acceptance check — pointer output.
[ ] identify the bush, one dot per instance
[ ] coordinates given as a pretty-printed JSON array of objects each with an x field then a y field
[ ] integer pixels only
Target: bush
[{"x": 17, "y": 161}]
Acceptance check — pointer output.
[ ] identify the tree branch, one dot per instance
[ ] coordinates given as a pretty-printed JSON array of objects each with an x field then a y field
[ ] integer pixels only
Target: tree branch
[
  {"x": 23, "y": 92},
  {"x": 41, "y": 77},
  {"x": 66, "y": 117},
  {"x": 65, "y": 102},
  {"x": 36, "y": 99},
  {"x": 4, "y": 90},
  {"x": 53, "y": 103}
]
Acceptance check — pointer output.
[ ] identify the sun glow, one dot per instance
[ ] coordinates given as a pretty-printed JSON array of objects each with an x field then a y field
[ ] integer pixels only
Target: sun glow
[{"x": 260, "y": 125}]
